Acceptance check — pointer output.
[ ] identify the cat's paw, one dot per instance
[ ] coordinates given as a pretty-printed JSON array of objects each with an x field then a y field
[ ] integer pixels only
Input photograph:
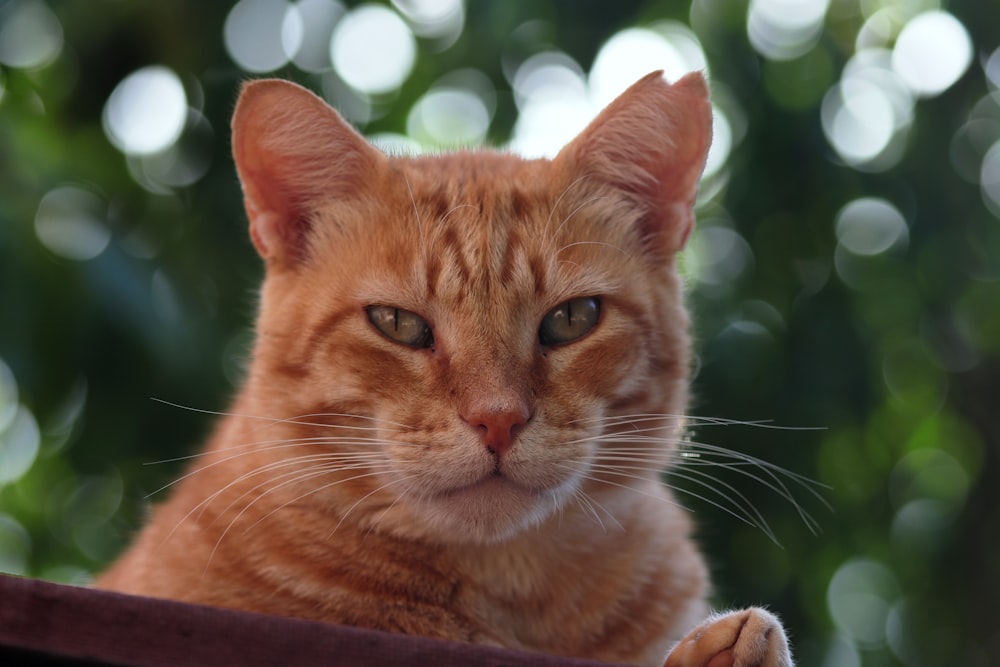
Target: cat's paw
[{"x": 746, "y": 638}]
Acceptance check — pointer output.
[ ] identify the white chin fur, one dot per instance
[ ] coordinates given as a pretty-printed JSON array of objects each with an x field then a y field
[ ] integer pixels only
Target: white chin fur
[{"x": 491, "y": 511}]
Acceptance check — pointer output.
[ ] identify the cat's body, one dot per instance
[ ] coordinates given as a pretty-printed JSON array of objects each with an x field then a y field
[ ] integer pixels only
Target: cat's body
[
  {"x": 567, "y": 587},
  {"x": 468, "y": 378}
]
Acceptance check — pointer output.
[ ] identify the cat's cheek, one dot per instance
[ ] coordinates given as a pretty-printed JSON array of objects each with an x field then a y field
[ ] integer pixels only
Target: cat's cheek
[{"x": 605, "y": 372}]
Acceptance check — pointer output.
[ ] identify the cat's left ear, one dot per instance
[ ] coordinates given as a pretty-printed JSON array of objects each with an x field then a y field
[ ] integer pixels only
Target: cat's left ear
[
  {"x": 651, "y": 142},
  {"x": 294, "y": 152}
]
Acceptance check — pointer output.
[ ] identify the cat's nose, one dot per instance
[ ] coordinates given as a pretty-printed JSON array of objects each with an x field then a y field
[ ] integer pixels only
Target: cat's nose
[{"x": 498, "y": 428}]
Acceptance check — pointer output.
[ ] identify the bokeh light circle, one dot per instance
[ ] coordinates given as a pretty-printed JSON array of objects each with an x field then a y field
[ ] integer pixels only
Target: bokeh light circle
[
  {"x": 70, "y": 223},
  {"x": 718, "y": 255},
  {"x": 859, "y": 598},
  {"x": 19, "y": 444},
  {"x": 15, "y": 546},
  {"x": 435, "y": 19},
  {"x": 550, "y": 74},
  {"x": 146, "y": 111},
  {"x": 870, "y": 226},
  {"x": 992, "y": 69},
  {"x": 8, "y": 395},
  {"x": 373, "y": 50},
  {"x": 553, "y": 101},
  {"x": 449, "y": 117},
  {"x": 989, "y": 178},
  {"x": 785, "y": 29},
  {"x": 260, "y": 35},
  {"x": 722, "y": 143},
  {"x": 30, "y": 35},
  {"x": 318, "y": 19},
  {"x": 932, "y": 52},
  {"x": 858, "y": 119},
  {"x": 627, "y": 57}
]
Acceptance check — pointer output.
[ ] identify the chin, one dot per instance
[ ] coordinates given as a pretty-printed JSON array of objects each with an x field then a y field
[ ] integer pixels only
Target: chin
[{"x": 490, "y": 511}]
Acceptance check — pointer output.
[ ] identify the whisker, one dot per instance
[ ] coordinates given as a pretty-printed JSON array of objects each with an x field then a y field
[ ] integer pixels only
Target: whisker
[
  {"x": 631, "y": 436},
  {"x": 722, "y": 451},
  {"x": 555, "y": 206},
  {"x": 581, "y": 496},
  {"x": 201, "y": 506},
  {"x": 585, "y": 502},
  {"x": 421, "y": 235},
  {"x": 311, "y": 474},
  {"x": 751, "y": 517},
  {"x": 738, "y": 464},
  {"x": 327, "y": 467},
  {"x": 387, "y": 509},
  {"x": 575, "y": 211},
  {"x": 597, "y": 243},
  {"x": 685, "y": 456},
  {"x": 754, "y": 519},
  {"x": 775, "y": 483},
  {"x": 600, "y": 480},
  {"x": 693, "y": 420},
  {"x": 288, "y": 420},
  {"x": 685, "y": 459},
  {"x": 267, "y": 446},
  {"x": 453, "y": 209},
  {"x": 343, "y": 517}
]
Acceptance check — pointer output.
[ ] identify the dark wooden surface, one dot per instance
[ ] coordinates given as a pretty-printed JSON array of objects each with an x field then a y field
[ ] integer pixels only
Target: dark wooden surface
[{"x": 51, "y": 624}]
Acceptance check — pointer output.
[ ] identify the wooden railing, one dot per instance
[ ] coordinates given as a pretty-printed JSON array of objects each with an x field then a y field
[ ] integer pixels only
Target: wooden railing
[{"x": 52, "y": 624}]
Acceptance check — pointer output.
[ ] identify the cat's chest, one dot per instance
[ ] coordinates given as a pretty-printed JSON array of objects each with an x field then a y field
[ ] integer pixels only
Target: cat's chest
[{"x": 537, "y": 596}]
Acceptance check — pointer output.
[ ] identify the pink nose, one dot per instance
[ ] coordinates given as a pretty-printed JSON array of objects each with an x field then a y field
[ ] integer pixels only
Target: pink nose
[{"x": 498, "y": 428}]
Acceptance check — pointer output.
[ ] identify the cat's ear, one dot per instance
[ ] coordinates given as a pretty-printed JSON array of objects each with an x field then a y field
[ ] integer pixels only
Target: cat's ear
[
  {"x": 292, "y": 152},
  {"x": 651, "y": 142}
]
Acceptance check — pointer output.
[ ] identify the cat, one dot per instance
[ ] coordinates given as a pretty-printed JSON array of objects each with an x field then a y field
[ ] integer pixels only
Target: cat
[{"x": 467, "y": 379}]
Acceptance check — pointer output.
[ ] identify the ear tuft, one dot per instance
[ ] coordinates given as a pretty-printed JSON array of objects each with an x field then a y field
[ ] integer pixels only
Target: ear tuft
[
  {"x": 651, "y": 142},
  {"x": 292, "y": 152}
]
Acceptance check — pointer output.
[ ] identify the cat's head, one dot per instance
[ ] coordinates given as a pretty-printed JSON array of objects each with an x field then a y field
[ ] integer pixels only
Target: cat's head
[{"x": 506, "y": 333}]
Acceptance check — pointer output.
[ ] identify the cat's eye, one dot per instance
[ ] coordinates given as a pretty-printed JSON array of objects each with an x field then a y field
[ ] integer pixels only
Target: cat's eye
[
  {"x": 401, "y": 326},
  {"x": 570, "y": 320}
]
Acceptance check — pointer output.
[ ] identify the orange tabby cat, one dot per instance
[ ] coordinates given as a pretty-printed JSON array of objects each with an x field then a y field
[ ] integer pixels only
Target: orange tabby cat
[{"x": 462, "y": 395}]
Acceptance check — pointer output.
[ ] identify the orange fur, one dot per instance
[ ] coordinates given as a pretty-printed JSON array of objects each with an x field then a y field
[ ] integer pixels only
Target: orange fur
[{"x": 485, "y": 488}]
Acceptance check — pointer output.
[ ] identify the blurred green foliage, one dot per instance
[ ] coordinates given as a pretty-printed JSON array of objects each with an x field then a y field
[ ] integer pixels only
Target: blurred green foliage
[{"x": 894, "y": 354}]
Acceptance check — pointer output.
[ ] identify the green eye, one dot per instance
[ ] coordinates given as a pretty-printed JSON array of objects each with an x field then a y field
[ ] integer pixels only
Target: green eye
[
  {"x": 569, "y": 321},
  {"x": 401, "y": 326}
]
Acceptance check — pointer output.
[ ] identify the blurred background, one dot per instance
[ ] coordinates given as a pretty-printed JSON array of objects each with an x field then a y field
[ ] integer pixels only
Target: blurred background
[{"x": 845, "y": 275}]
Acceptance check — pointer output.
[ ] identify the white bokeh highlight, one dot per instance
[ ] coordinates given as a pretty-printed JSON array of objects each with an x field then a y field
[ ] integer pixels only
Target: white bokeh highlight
[
  {"x": 31, "y": 36},
  {"x": 785, "y": 29},
  {"x": 373, "y": 50},
  {"x": 70, "y": 222},
  {"x": 932, "y": 52},
  {"x": 260, "y": 34},
  {"x": 146, "y": 112},
  {"x": 870, "y": 226}
]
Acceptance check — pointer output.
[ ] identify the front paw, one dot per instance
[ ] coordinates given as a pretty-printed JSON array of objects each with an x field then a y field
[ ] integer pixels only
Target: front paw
[{"x": 746, "y": 638}]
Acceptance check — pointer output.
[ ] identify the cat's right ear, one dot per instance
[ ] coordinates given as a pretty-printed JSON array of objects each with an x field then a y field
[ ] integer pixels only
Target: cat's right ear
[{"x": 292, "y": 153}]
